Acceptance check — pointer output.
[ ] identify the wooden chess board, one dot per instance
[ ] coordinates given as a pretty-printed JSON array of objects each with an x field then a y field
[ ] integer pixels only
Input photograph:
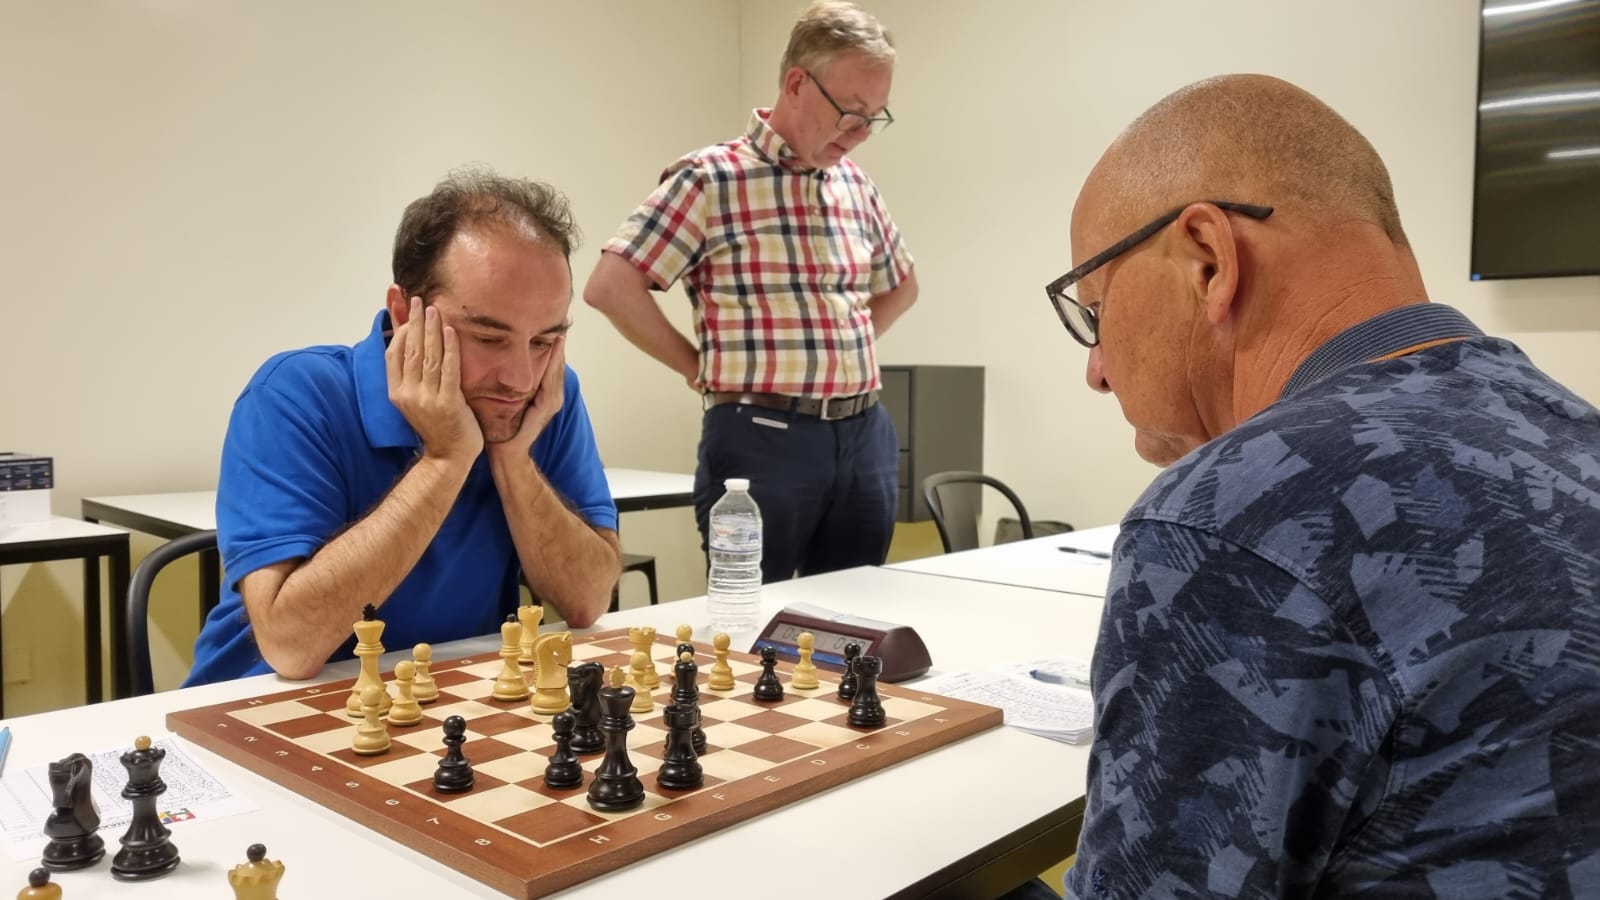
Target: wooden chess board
[{"x": 514, "y": 833}]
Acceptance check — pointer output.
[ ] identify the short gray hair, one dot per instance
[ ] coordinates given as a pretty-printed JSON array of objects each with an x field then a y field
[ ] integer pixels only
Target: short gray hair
[{"x": 829, "y": 27}]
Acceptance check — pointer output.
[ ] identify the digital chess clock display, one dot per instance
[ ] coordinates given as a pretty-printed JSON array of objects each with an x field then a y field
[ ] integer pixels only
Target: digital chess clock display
[{"x": 903, "y": 653}]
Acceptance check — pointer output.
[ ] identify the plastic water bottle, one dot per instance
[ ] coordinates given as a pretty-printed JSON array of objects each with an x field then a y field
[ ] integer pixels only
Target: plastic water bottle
[{"x": 733, "y": 586}]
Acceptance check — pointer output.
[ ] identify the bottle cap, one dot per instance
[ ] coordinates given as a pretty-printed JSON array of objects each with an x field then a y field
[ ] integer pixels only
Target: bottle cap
[{"x": 737, "y": 484}]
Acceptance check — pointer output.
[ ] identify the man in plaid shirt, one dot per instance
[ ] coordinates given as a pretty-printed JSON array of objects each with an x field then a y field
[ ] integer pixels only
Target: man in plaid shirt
[{"x": 794, "y": 268}]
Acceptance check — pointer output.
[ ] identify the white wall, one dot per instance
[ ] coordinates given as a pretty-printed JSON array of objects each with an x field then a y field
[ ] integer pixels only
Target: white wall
[
  {"x": 1002, "y": 108},
  {"x": 192, "y": 186}
]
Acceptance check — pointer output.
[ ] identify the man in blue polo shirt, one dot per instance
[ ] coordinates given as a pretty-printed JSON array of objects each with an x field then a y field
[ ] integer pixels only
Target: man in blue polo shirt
[
  {"x": 426, "y": 468},
  {"x": 1351, "y": 643}
]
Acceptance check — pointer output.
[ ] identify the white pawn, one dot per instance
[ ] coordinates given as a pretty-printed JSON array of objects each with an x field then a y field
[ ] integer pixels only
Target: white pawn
[
  {"x": 371, "y": 736},
  {"x": 804, "y": 677},
  {"x": 510, "y": 685},
  {"x": 642, "y": 701},
  {"x": 721, "y": 677},
  {"x": 685, "y": 632},
  {"x": 423, "y": 687},
  {"x": 405, "y": 710}
]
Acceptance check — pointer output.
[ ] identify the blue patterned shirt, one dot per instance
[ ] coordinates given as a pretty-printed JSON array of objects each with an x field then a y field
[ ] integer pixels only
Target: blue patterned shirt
[{"x": 1353, "y": 645}]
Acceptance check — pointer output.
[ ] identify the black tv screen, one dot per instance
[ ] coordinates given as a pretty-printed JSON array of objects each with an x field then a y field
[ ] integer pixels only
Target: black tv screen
[{"x": 1536, "y": 203}]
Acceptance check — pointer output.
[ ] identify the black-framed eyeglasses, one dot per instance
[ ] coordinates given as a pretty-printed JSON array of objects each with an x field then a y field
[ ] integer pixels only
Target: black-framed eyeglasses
[
  {"x": 853, "y": 121},
  {"x": 1082, "y": 322}
]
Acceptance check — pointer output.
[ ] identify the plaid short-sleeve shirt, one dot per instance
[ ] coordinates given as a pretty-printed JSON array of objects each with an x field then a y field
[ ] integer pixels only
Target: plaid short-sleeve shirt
[{"x": 778, "y": 259}]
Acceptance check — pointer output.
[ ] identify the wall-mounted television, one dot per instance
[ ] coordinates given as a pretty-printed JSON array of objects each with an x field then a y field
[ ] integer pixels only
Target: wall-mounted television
[{"x": 1536, "y": 199}]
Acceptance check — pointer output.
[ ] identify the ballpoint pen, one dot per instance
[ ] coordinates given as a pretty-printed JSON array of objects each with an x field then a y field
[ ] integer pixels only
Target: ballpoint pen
[
  {"x": 1058, "y": 678},
  {"x": 5, "y": 746},
  {"x": 1097, "y": 554}
]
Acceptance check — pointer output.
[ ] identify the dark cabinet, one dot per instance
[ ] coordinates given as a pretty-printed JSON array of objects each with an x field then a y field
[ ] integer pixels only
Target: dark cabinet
[{"x": 938, "y": 414}]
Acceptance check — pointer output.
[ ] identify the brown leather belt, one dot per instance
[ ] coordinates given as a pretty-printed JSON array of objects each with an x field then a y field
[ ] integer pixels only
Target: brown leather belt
[{"x": 827, "y": 410}]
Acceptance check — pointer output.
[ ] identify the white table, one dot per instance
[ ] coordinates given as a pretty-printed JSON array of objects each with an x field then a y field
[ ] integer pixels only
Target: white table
[
  {"x": 175, "y": 515},
  {"x": 62, "y": 538},
  {"x": 965, "y": 820},
  {"x": 1036, "y": 563}
]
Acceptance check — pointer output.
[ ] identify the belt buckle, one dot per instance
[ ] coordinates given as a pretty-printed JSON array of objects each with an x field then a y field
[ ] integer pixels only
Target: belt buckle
[{"x": 848, "y": 407}]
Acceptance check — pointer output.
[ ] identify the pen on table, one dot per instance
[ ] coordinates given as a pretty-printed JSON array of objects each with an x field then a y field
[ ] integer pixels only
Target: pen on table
[
  {"x": 1097, "y": 554},
  {"x": 1055, "y": 678},
  {"x": 5, "y": 746}
]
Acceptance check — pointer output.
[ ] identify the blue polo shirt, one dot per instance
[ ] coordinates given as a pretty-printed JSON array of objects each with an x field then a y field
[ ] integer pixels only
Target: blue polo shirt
[{"x": 314, "y": 445}]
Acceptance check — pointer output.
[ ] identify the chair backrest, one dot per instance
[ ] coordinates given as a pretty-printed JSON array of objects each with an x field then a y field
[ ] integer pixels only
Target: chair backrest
[
  {"x": 953, "y": 498},
  {"x": 138, "y": 624}
]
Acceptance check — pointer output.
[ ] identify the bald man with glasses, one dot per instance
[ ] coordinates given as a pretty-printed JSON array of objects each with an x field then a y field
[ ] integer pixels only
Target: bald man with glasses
[
  {"x": 1351, "y": 642},
  {"x": 794, "y": 269}
]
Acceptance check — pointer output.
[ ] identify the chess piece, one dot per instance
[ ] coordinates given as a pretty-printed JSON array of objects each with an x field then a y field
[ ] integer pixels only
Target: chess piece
[
  {"x": 454, "y": 775},
  {"x": 583, "y": 681},
  {"x": 867, "y": 710},
  {"x": 147, "y": 849},
  {"x": 643, "y": 641},
  {"x": 423, "y": 688},
  {"x": 529, "y": 617},
  {"x": 686, "y": 695},
  {"x": 405, "y": 710},
  {"x": 680, "y": 767},
  {"x": 510, "y": 686},
  {"x": 257, "y": 878},
  {"x": 564, "y": 770},
  {"x": 39, "y": 887},
  {"x": 804, "y": 676},
  {"x": 551, "y": 654},
  {"x": 71, "y": 825},
  {"x": 616, "y": 786},
  {"x": 847, "y": 682},
  {"x": 371, "y": 736},
  {"x": 368, "y": 646},
  {"x": 685, "y": 634},
  {"x": 721, "y": 673},
  {"x": 643, "y": 703},
  {"x": 768, "y": 688}
]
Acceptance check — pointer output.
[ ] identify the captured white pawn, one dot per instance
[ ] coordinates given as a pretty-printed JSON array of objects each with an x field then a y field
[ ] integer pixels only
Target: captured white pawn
[
  {"x": 39, "y": 887},
  {"x": 257, "y": 878},
  {"x": 511, "y": 685},
  {"x": 423, "y": 688},
  {"x": 371, "y": 736},
  {"x": 405, "y": 710},
  {"x": 721, "y": 677},
  {"x": 643, "y": 702},
  {"x": 804, "y": 677}
]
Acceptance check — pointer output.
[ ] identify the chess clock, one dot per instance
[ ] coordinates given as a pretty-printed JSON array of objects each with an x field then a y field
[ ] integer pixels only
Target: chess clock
[{"x": 901, "y": 649}]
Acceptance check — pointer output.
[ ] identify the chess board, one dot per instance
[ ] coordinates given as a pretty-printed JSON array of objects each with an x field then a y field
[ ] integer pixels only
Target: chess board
[{"x": 516, "y": 834}]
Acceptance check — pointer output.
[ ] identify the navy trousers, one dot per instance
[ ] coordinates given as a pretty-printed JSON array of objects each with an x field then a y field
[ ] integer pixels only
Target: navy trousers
[{"x": 826, "y": 490}]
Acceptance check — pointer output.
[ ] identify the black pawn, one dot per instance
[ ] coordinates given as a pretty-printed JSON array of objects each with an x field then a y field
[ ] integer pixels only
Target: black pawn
[
  {"x": 680, "y": 768},
  {"x": 147, "y": 849},
  {"x": 768, "y": 687},
  {"x": 564, "y": 770},
  {"x": 686, "y": 693},
  {"x": 71, "y": 826},
  {"x": 616, "y": 786},
  {"x": 38, "y": 878},
  {"x": 867, "y": 711},
  {"x": 454, "y": 775},
  {"x": 583, "y": 684},
  {"x": 847, "y": 682}
]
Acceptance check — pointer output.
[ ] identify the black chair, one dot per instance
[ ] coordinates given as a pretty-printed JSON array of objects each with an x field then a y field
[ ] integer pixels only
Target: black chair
[
  {"x": 953, "y": 498},
  {"x": 138, "y": 607},
  {"x": 635, "y": 562}
]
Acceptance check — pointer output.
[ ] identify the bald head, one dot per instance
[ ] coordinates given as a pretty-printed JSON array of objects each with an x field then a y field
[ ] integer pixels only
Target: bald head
[{"x": 1248, "y": 139}]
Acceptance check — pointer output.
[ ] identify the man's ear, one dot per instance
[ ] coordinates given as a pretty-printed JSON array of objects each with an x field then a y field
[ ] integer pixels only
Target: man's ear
[
  {"x": 398, "y": 304},
  {"x": 1210, "y": 254},
  {"x": 793, "y": 80}
]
